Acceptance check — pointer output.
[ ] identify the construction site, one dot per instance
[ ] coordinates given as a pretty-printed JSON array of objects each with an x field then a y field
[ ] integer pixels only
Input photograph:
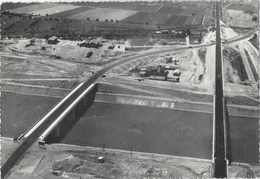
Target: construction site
[{"x": 97, "y": 107}]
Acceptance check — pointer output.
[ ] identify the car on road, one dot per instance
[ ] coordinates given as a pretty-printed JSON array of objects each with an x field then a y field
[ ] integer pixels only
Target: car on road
[{"x": 89, "y": 54}]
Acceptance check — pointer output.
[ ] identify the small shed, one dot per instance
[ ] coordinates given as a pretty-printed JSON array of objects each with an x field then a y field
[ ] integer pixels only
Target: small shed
[{"x": 53, "y": 40}]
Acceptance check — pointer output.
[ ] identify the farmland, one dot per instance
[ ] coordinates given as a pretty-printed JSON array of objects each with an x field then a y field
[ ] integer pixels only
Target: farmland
[
  {"x": 190, "y": 20},
  {"x": 9, "y": 6},
  {"x": 150, "y": 18},
  {"x": 241, "y": 19},
  {"x": 137, "y": 6},
  {"x": 243, "y": 7},
  {"x": 194, "y": 12},
  {"x": 127, "y": 12},
  {"x": 102, "y": 14},
  {"x": 71, "y": 12},
  {"x": 181, "y": 20},
  {"x": 30, "y": 8},
  {"x": 171, "y": 20},
  {"x": 172, "y": 10},
  {"x": 53, "y": 10},
  {"x": 198, "y": 20}
]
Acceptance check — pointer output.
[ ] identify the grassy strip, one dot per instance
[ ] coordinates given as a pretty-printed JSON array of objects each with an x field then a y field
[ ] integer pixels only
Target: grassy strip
[{"x": 237, "y": 63}]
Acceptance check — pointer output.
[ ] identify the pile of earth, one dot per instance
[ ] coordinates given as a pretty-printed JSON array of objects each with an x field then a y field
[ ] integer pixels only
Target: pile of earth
[{"x": 82, "y": 164}]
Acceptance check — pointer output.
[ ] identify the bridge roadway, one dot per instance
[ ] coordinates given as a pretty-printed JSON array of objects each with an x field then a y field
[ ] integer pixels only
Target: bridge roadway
[{"x": 220, "y": 169}]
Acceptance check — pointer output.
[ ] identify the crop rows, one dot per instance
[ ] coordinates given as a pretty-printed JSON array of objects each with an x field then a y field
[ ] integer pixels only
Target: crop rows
[
  {"x": 164, "y": 19},
  {"x": 103, "y": 13},
  {"x": 54, "y": 10},
  {"x": 31, "y": 8},
  {"x": 170, "y": 10},
  {"x": 171, "y": 20},
  {"x": 181, "y": 20},
  {"x": 190, "y": 20},
  {"x": 134, "y": 6},
  {"x": 9, "y": 6},
  {"x": 198, "y": 20},
  {"x": 71, "y": 12},
  {"x": 194, "y": 12},
  {"x": 150, "y": 18}
]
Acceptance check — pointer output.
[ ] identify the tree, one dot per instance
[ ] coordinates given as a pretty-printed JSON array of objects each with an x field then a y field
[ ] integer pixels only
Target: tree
[
  {"x": 111, "y": 20},
  {"x": 117, "y": 21},
  {"x": 106, "y": 20},
  {"x": 97, "y": 19},
  {"x": 88, "y": 19},
  {"x": 254, "y": 18},
  {"x": 47, "y": 15},
  {"x": 188, "y": 32}
]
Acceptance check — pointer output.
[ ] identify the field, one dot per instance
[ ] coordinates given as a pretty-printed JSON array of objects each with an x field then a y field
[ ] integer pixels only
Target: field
[
  {"x": 150, "y": 18},
  {"x": 208, "y": 13},
  {"x": 190, "y": 20},
  {"x": 198, "y": 20},
  {"x": 240, "y": 19},
  {"x": 102, "y": 14},
  {"x": 193, "y": 11},
  {"x": 71, "y": 12},
  {"x": 243, "y": 7},
  {"x": 209, "y": 21},
  {"x": 239, "y": 15},
  {"x": 171, "y": 10},
  {"x": 181, "y": 20},
  {"x": 30, "y": 8},
  {"x": 53, "y": 10},
  {"x": 171, "y": 20},
  {"x": 133, "y": 6},
  {"x": 127, "y": 12},
  {"x": 9, "y": 6}
]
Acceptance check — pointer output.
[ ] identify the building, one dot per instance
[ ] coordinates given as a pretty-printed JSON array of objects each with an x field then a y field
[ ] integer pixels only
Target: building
[
  {"x": 53, "y": 40},
  {"x": 90, "y": 44},
  {"x": 168, "y": 66},
  {"x": 165, "y": 31}
]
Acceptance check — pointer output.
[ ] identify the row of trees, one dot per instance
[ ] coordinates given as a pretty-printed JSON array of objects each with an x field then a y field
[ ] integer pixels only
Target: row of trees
[{"x": 107, "y": 20}]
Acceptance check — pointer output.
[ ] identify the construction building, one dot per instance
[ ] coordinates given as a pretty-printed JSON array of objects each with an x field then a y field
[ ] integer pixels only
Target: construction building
[
  {"x": 90, "y": 44},
  {"x": 53, "y": 40}
]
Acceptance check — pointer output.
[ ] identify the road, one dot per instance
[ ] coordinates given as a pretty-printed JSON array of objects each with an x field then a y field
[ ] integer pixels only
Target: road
[{"x": 220, "y": 170}]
